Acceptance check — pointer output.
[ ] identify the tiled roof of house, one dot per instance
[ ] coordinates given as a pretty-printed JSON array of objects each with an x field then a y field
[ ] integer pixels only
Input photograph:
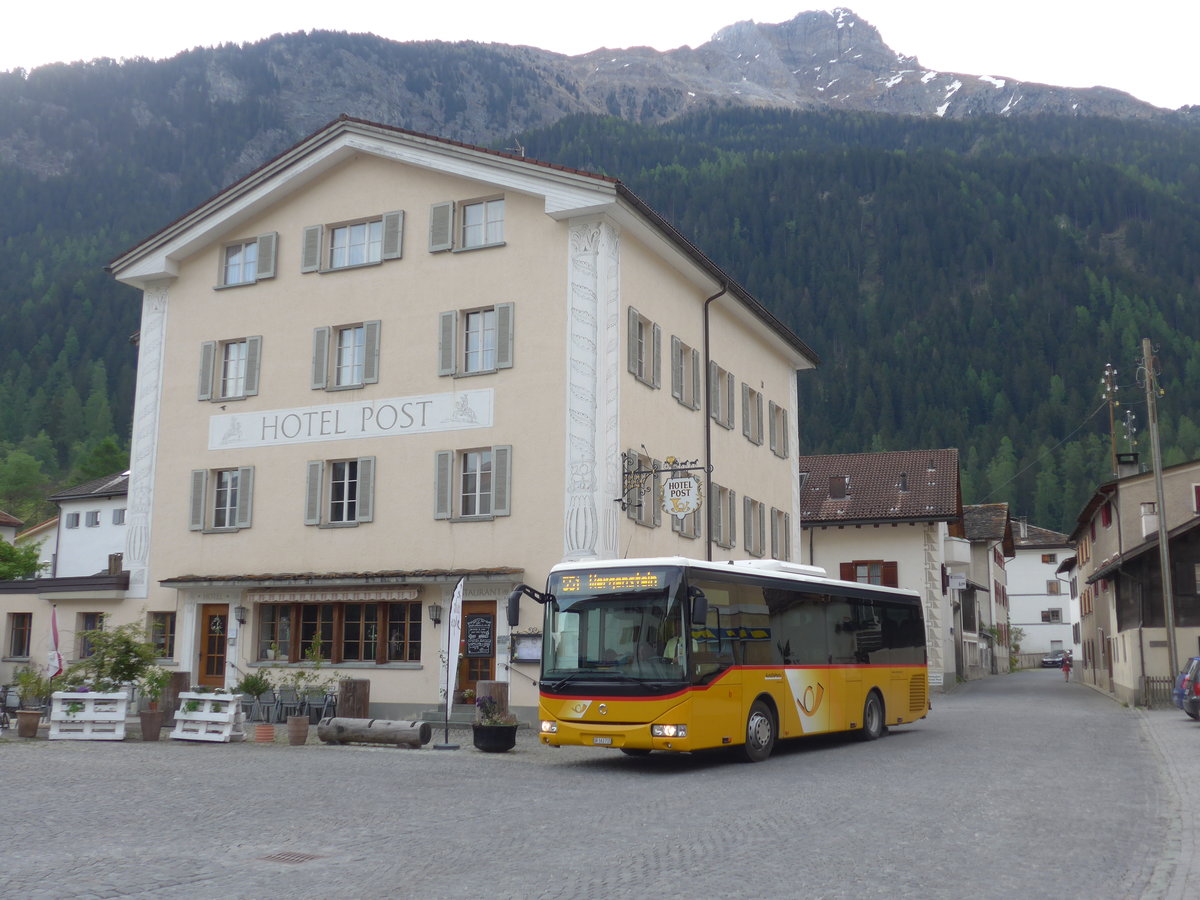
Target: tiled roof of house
[
  {"x": 986, "y": 522},
  {"x": 32, "y": 530},
  {"x": 1026, "y": 535},
  {"x": 901, "y": 485},
  {"x": 108, "y": 486},
  {"x": 10, "y": 521}
]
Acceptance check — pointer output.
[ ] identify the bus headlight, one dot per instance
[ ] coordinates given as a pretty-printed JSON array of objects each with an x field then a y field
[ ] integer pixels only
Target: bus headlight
[
  {"x": 549, "y": 726},
  {"x": 668, "y": 731}
]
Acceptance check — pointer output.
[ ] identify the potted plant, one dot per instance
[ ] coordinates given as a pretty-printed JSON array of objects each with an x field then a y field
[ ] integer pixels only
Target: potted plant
[
  {"x": 34, "y": 688},
  {"x": 154, "y": 681},
  {"x": 495, "y": 728}
]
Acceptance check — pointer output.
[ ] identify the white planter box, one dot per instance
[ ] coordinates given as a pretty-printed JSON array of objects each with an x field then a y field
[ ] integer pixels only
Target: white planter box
[
  {"x": 90, "y": 716},
  {"x": 217, "y": 717}
]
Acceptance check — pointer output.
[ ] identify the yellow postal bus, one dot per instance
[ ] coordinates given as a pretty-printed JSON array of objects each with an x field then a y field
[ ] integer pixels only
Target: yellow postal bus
[{"x": 679, "y": 654}]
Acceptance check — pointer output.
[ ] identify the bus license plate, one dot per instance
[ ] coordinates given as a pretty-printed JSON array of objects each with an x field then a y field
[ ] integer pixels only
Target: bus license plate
[{"x": 602, "y": 740}]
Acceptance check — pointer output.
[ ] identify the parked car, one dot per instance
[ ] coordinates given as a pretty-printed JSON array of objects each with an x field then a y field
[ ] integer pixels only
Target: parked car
[
  {"x": 1177, "y": 691},
  {"x": 1191, "y": 686},
  {"x": 1054, "y": 659}
]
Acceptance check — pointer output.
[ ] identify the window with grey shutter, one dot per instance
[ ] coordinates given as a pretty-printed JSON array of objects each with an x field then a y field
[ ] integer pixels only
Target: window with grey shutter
[
  {"x": 441, "y": 227},
  {"x": 253, "y": 364},
  {"x": 320, "y": 358},
  {"x": 366, "y": 489},
  {"x": 266, "y": 255},
  {"x": 310, "y": 253},
  {"x": 371, "y": 352},
  {"x": 199, "y": 496},
  {"x": 393, "y": 235},
  {"x": 502, "y": 480},
  {"x": 696, "y": 387},
  {"x": 677, "y": 371},
  {"x": 245, "y": 496},
  {"x": 208, "y": 355},
  {"x": 746, "y": 417},
  {"x": 447, "y": 332},
  {"x": 443, "y": 484},
  {"x": 656, "y": 358},
  {"x": 730, "y": 385},
  {"x": 632, "y": 328},
  {"x": 505, "y": 315},
  {"x": 312, "y": 492}
]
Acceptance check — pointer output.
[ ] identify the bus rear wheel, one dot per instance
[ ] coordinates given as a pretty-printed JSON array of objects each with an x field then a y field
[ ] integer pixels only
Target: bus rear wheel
[
  {"x": 760, "y": 733},
  {"x": 872, "y": 725}
]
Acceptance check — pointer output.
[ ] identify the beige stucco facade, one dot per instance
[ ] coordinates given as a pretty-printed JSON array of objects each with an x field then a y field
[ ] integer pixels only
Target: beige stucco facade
[{"x": 578, "y": 252}]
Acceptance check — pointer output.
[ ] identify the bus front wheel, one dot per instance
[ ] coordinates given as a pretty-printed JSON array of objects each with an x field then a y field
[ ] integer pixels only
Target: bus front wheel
[
  {"x": 760, "y": 733},
  {"x": 872, "y": 725}
]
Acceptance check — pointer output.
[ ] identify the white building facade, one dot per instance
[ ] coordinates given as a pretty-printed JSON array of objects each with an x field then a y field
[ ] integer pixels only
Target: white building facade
[
  {"x": 1040, "y": 601},
  {"x": 384, "y": 363}
]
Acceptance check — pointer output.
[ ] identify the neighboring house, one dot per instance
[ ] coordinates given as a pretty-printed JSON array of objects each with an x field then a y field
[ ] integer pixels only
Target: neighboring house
[
  {"x": 987, "y": 646},
  {"x": 894, "y": 519},
  {"x": 45, "y": 536},
  {"x": 9, "y": 526},
  {"x": 1123, "y": 623},
  {"x": 385, "y": 362},
  {"x": 91, "y": 526},
  {"x": 1040, "y": 599}
]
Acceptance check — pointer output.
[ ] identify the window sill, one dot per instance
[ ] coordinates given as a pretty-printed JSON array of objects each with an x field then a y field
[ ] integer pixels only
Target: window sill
[
  {"x": 472, "y": 518},
  {"x": 354, "y": 664},
  {"x": 364, "y": 265},
  {"x": 232, "y": 399},
  {"x": 339, "y": 524},
  {"x": 17, "y": 659},
  {"x": 478, "y": 247},
  {"x": 221, "y": 530},
  {"x": 343, "y": 387},
  {"x": 240, "y": 284},
  {"x": 473, "y": 374}
]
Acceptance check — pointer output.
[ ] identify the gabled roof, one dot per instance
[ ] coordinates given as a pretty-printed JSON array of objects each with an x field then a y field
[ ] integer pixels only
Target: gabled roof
[
  {"x": 989, "y": 523},
  {"x": 109, "y": 486},
  {"x": 9, "y": 521},
  {"x": 34, "y": 530},
  {"x": 895, "y": 486},
  {"x": 566, "y": 192},
  {"x": 1030, "y": 536}
]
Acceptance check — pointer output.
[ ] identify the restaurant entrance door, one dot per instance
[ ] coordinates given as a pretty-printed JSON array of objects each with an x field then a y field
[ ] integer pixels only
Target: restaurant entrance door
[
  {"x": 479, "y": 643},
  {"x": 214, "y": 627}
]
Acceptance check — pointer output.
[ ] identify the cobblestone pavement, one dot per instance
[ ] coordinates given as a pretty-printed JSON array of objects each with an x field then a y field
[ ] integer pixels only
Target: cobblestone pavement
[{"x": 1017, "y": 786}]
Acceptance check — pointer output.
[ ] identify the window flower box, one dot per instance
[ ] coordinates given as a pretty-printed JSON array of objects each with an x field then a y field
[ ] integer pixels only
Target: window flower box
[
  {"x": 88, "y": 715},
  {"x": 208, "y": 717}
]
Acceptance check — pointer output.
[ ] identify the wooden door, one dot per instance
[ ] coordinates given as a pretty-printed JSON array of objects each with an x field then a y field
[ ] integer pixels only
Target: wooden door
[
  {"x": 479, "y": 643},
  {"x": 214, "y": 627}
]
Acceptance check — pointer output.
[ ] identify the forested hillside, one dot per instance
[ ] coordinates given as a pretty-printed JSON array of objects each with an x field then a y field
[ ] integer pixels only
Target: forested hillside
[{"x": 964, "y": 281}]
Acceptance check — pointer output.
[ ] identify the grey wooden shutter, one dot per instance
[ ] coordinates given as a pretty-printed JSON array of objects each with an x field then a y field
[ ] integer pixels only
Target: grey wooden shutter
[
  {"x": 253, "y": 364},
  {"x": 746, "y": 411},
  {"x": 784, "y": 438},
  {"x": 320, "y": 358},
  {"x": 655, "y": 500},
  {"x": 502, "y": 480},
  {"x": 365, "y": 510},
  {"x": 748, "y": 541},
  {"x": 632, "y": 498},
  {"x": 730, "y": 384},
  {"x": 772, "y": 429},
  {"x": 393, "y": 234},
  {"x": 676, "y": 369},
  {"x": 312, "y": 492},
  {"x": 310, "y": 254},
  {"x": 447, "y": 332},
  {"x": 631, "y": 328},
  {"x": 656, "y": 375},
  {"x": 245, "y": 497},
  {"x": 443, "y": 484},
  {"x": 696, "y": 386},
  {"x": 208, "y": 356},
  {"x": 732, "y": 534},
  {"x": 371, "y": 352},
  {"x": 758, "y": 418},
  {"x": 199, "y": 493},
  {"x": 504, "y": 335},
  {"x": 441, "y": 227},
  {"x": 266, "y": 254}
]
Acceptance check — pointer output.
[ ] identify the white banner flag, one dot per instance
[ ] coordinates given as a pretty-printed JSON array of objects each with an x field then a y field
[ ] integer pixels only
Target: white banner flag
[
  {"x": 56, "y": 661},
  {"x": 453, "y": 639}
]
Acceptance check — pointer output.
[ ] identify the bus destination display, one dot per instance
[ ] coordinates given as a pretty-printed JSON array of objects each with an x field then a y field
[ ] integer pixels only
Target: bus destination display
[{"x": 609, "y": 582}]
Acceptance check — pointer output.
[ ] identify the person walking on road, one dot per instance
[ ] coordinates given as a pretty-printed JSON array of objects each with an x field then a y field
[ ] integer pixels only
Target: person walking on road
[{"x": 1066, "y": 667}]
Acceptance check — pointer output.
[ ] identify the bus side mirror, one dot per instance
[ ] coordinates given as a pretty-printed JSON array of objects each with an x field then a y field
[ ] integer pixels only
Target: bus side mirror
[
  {"x": 514, "y": 608},
  {"x": 699, "y": 606}
]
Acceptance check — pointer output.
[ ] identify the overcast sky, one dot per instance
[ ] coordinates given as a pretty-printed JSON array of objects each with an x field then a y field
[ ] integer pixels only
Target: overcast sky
[{"x": 1147, "y": 49}]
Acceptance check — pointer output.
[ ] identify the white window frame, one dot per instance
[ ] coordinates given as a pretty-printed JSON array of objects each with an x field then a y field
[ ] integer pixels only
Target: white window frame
[
  {"x": 92, "y": 520},
  {"x": 449, "y": 481},
  {"x": 721, "y": 385},
  {"x": 687, "y": 382},
  {"x": 781, "y": 534},
  {"x": 454, "y": 355},
  {"x": 1053, "y": 587},
  {"x": 211, "y": 507},
  {"x": 723, "y": 508},
  {"x": 777, "y": 419},
  {"x": 329, "y": 365},
  {"x": 216, "y": 360},
  {"x": 247, "y": 261},
  {"x": 644, "y": 353},
  {"x": 452, "y": 225},
  {"x": 323, "y": 246},
  {"x": 754, "y": 516},
  {"x": 752, "y": 414},
  {"x": 327, "y": 507}
]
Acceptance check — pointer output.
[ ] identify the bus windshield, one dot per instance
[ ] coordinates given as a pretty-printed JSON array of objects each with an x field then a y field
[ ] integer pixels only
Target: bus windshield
[{"x": 616, "y": 624}]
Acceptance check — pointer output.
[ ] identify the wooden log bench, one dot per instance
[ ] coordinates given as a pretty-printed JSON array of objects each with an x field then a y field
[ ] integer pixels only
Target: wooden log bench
[{"x": 342, "y": 730}]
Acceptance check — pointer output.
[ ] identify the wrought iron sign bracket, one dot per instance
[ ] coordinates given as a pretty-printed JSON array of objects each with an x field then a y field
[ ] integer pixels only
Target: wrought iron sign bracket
[{"x": 639, "y": 481}]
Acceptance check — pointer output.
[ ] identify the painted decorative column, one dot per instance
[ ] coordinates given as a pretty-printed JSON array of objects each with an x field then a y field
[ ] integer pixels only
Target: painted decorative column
[
  {"x": 934, "y": 636},
  {"x": 144, "y": 445},
  {"x": 593, "y": 350}
]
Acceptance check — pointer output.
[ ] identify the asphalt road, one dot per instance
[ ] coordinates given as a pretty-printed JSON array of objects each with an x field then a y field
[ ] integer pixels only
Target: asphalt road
[{"x": 1018, "y": 786}]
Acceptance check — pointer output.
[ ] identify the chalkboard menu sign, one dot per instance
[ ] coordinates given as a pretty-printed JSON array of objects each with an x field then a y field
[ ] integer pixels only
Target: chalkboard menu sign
[{"x": 480, "y": 630}]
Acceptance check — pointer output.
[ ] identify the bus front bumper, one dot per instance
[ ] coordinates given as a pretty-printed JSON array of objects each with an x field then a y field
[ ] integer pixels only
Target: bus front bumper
[{"x": 616, "y": 736}]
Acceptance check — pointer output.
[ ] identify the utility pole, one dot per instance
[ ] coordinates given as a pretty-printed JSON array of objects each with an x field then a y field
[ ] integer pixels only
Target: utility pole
[
  {"x": 1148, "y": 369},
  {"x": 1110, "y": 395}
]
